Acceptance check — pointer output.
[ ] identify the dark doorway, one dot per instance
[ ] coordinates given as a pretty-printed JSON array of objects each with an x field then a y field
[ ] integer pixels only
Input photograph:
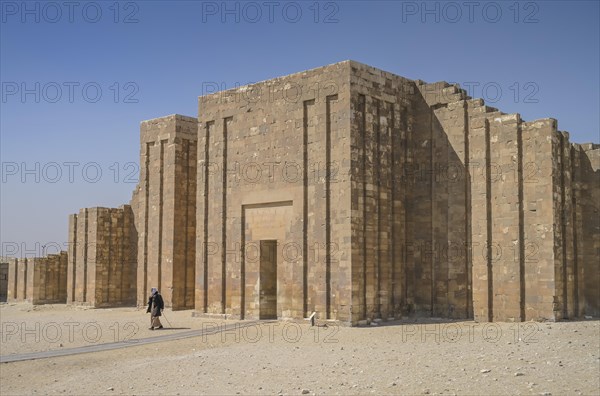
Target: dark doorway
[{"x": 268, "y": 279}]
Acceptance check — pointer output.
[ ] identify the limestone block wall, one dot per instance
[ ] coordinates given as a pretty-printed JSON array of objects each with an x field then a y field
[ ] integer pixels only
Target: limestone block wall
[
  {"x": 48, "y": 281},
  {"x": 497, "y": 201},
  {"x": 438, "y": 219},
  {"x": 523, "y": 191},
  {"x": 165, "y": 210},
  {"x": 102, "y": 257},
  {"x": 586, "y": 199},
  {"x": 382, "y": 108},
  {"x": 444, "y": 207},
  {"x": 417, "y": 203},
  {"x": 24, "y": 273},
  {"x": 3, "y": 279},
  {"x": 273, "y": 165},
  {"x": 38, "y": 280},
  {"x": 11, "y": 293},
  {"x": 346, "y": 191},
  {"x": 17, "y": 273}
]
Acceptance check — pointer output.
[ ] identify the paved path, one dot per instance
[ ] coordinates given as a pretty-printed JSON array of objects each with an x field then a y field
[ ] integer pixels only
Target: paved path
[{"x": 124, "y": 344}]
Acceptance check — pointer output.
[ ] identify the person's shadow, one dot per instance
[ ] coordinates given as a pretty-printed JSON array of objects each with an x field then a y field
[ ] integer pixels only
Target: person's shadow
[{"x": 173, "y": 328}]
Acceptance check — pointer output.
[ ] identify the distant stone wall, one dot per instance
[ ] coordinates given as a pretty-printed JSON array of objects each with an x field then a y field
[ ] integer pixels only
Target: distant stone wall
[
  {"x": 38, "y": 280},
  {"x": 12, "y": 281},
  {"x": 102, "y": 257}
]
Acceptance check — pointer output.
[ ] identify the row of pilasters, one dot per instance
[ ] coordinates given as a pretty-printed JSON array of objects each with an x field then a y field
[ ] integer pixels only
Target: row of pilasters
[
  {"x": 38, "y": 280},
  {"x": 379, "y": 268}
]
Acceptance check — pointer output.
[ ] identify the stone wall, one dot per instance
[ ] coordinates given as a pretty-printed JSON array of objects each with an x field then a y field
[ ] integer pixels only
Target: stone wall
[
  {"x": 381, "y": 128},
  {"x": 38, "y": 280},
  {"x": 444, "y": 206},
  {"x": 438, "y": 214},
  {"x": 273, "y": 165},
  {"x": 411, "y": 198},
  {"x": 165, "y": 210},
  {"x": 526, "y": 235},
  {"x": 3, "y": 280},
  {"x": 346, "y": 191},
  {"x": 12, "y": 281},
  {"x": 102, "y": 257},
  {"x": 586, "y": 201},
  {"x": 23, "y": 273}
]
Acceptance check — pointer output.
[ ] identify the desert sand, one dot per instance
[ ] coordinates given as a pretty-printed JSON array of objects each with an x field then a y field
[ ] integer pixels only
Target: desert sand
[{"x": 424, "y": 356}]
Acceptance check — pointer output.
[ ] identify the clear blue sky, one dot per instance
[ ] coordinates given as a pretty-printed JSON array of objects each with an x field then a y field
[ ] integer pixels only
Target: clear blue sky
[{"x": 543, "y": 55}]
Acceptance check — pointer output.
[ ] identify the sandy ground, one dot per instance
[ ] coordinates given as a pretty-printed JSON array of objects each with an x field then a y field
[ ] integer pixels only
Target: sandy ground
[{"x": 428, "y": 357}]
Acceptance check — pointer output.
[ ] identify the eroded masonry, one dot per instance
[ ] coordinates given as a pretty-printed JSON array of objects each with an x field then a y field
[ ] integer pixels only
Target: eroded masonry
[{"x": 353, "y": 193}]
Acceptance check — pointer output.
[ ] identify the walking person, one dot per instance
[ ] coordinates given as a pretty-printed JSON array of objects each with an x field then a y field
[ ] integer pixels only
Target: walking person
[{"x": 155, "y": 307}]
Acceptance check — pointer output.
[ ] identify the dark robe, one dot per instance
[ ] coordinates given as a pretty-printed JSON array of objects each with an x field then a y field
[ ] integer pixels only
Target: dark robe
[{"x": 155, "y": 304}]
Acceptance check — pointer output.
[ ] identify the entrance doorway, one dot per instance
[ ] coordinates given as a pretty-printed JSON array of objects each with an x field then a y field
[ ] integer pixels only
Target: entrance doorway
[{"x": 268, "y": 279}]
